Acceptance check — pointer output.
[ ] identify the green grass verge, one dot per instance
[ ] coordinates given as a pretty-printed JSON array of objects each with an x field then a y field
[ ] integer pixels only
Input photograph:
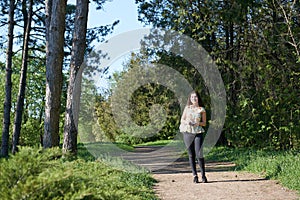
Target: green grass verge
[
  {"x": 280, "y": 165},
  {"x": 156, "y": 143},
  {"x": 104, "y": 152},
  {"x": 91, "y": 151},
  {"x": 46, "y": 174}
]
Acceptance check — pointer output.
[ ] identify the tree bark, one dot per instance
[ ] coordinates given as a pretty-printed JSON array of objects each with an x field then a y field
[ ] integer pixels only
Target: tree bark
[
  {"x": 8, "y": 83},
  {"x": 55, "y": 28},
  {"x": 22, "y": 87},
  {"x": 74, "y": 88}
]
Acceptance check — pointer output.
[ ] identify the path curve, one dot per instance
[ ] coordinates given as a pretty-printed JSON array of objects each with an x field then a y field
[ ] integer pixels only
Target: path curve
[{"x": 175, "y": 181}]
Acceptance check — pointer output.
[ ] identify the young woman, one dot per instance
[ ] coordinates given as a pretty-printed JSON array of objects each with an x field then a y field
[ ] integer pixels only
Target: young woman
[{"x": 192, "y": 122}]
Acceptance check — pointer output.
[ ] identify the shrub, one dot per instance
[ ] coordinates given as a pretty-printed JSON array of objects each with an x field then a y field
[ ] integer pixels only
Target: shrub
[{"x": 43, "y": 174}]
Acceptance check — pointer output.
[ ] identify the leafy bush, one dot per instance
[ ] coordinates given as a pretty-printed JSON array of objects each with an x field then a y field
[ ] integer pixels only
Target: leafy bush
[
  {"x": 128, "y": 139},
  {"x": 40, "y": 174}
]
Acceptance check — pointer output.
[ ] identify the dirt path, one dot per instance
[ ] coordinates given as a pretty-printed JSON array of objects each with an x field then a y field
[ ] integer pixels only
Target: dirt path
[
  {"x": 225, "y": 185},
  {"x": 175, "y": 181}
]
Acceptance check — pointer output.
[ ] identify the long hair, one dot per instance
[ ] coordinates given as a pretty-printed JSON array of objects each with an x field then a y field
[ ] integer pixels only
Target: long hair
[{"x": 189, "y": 102}]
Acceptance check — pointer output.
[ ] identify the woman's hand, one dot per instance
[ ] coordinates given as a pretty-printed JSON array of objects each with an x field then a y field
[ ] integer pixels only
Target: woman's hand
[{"x": 191, "y": 123}]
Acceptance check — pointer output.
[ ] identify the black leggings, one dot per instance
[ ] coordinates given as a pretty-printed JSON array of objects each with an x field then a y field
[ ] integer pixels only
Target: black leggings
[{"x": 193, "y": 144}]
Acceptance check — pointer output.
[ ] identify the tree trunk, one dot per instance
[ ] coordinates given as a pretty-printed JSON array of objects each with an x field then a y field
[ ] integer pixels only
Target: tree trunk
[
  {"x": 8, "y": 84},
  {"x": 55, "y": 28},
  {"x": 22, "y": 87},
  {"x": 74, "y": 88}
]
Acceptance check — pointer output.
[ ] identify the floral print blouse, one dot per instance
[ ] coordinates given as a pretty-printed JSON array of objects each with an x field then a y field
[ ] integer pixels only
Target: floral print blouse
[{"x": 192, "y": 116}]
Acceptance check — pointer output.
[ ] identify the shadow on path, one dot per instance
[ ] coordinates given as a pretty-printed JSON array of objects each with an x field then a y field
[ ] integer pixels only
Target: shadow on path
[
  {"x": 239, "y": 180},
  {"x": 165, "y": 163},
  {"x": 175, "y": 180}
]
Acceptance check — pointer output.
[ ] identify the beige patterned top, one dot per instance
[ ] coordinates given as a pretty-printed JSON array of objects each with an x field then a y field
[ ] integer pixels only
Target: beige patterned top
[{"x": 192, "y": 116}]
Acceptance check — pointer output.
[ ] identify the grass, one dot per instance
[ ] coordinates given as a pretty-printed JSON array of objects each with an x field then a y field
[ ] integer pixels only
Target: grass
[
  {"x": 157, "y": 143},
  {"x": 103, "y": 152},
  {"x": 280, "y": 165},
  {"x": 92, "y": 151},
  {"x": 46, "y": 174}
]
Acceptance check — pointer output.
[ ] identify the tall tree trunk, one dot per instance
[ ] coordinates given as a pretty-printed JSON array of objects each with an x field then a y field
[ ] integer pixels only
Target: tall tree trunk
[
  {"x": 74, "y": 88},
  {"x": 55, "y": 28},
  {"x": 22, "y": 87},
  {"x": 8, "y": 84}
]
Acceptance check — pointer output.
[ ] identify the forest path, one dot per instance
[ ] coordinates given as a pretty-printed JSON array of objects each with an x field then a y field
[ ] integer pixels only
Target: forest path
[{"x": 175, "y": 181}]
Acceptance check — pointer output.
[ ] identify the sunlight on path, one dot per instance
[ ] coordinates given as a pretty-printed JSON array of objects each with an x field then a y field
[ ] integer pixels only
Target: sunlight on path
[
  {"x": 222, "y": 185},
  {"x": 175, "y": 181}
]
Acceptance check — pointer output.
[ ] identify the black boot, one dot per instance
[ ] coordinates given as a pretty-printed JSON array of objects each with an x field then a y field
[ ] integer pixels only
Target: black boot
[
  {"x": 196, "y": 179},
  {"x": 202, "y": 168}
]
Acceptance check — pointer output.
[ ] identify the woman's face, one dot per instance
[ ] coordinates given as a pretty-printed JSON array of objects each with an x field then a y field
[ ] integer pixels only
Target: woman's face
[{"x": 194, "y": 98}]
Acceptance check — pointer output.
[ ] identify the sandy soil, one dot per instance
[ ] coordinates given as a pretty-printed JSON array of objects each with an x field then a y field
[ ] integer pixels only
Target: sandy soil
[{"x": 175, "y": 181}]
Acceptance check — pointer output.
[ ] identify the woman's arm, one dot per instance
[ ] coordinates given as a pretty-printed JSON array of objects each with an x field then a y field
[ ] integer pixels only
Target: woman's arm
[
  {"x": 203, "y": 119},
  {"x": 183, "y": 117}
]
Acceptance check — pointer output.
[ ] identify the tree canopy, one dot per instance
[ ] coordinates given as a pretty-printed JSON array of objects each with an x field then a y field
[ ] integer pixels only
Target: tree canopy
[{"x": 255, "y": 45}]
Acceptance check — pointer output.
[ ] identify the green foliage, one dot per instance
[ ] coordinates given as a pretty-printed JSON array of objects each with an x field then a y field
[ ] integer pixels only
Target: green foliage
[
  {"x": 279, "y": 165},
  {"x": 32, "y": 130},
  {"x": 128, "y": 139},
  {"x": 43, "y": 174},
  {"x": 32, "y": 125},
  {"x": 33, "y": 115},
  {"x": 256, "y": 47},
  {"x": 2, "y": 91},
  {"x": 144, "y": 120}
]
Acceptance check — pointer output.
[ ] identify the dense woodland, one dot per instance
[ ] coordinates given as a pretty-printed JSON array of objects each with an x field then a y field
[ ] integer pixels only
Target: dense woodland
[{"x": 255, "y": 44}]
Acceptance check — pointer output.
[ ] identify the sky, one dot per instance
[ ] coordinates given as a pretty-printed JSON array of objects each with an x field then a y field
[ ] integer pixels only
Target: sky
[{"x": 123, "y": 10}]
